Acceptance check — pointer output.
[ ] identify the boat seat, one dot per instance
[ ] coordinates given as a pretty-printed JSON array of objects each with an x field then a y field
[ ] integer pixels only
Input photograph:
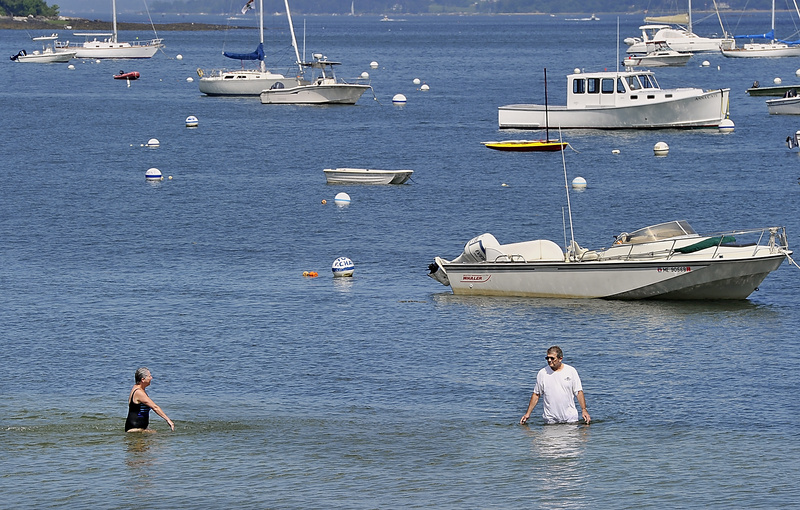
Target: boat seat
[{"x": 540, "y": 249}]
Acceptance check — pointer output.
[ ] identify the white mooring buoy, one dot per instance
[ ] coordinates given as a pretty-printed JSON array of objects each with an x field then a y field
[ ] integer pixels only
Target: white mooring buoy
[
  {"x": 417, "y": 81},
  {"x": 341, "y": 199},
  {"x": 424, "y": 87},
  {"x": 661, "y": 149},
  {"x": 191, "y": 121},
  {"x": 777, "y": 81},
  {"x": 578, "y": 183},
  {"x": 726, "y": 126},
  {"x": 153, "y": 142},
  {"x": 342, "y": 266},
  {"x": 153, "y": 174},
  {"x": 373, "y": 65},
  {"x": 399, "y": 99}
]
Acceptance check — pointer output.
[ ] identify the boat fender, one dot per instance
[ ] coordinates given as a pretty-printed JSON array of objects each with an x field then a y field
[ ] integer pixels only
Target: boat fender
[
  {"x": 311, "y": 274},
  {"x": 200, "y": 72}
]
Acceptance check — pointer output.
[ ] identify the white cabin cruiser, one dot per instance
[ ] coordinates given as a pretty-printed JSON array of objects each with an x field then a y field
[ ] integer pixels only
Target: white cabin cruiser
[
  {"x": 621, "y": 100},
  {"x": 666, "y": 261},
  {"x": 678, "y": 38},
  {"x": 659, "y": 54},
  {"x": 324, "y": 88}
]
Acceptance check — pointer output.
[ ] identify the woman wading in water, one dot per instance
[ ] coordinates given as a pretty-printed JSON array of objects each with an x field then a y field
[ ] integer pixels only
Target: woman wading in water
[{"x": 139, "y": 404}]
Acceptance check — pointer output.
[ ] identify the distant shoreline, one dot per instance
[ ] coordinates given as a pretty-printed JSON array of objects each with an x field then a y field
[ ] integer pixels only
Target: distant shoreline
[{"x": 79, "y": 24}]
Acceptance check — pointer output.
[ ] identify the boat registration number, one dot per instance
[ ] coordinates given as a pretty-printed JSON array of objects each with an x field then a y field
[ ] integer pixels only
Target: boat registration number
[{"x": 680, "y": 269}]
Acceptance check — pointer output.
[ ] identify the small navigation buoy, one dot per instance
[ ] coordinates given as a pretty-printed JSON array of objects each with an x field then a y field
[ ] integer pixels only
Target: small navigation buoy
[
  {"x": 504, "y": 185},
  {"x": 342, "y": 267},
  {"x": 153, "y": 142},
  {"x": 417, "y": 81},
  {"x": 424, "y": 87},
  {"x": 179, "y": 57},
  {"x": 341, "y": 199},
  {"x": 576, "y": 70},
  {"x": 365, "y": 75},
  {"x": 615, "y": 151},
  {"x": 71, "y": 67},
  {"x": 373, "y": 65},
  {"x": 661, "y": 149},
  {"x": 706, "y": 63},
  {"x": 578, "y": 183},
  {"x": 191, "y": 121},
  {"x": 399, "y": 99},
  {"x": 153, "y": 174},
  {"x": 777, "y": 81},
  {"x": 189, "y": 79},
  {"x": 324, "y": 201},
  {"x": 726, "y": 126}
]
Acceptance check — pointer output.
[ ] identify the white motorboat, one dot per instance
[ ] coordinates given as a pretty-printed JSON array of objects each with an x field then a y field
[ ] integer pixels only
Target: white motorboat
[
  {"x": 46, "y": 55},
  {"x": 659, "y": 54},
  {"x": 789, "y": 104},
  {"x": 622, "y": 100},
  {"x": 678, "y": 38},
  {"x": 665, "y": 261},
  {"x": 105, "y": 45},
  {"x": 324, "y": 88},
  {"x": 771, "y": 48},
  {"x": 249, "y": 82},
  {"x": 366, "y": 176}
]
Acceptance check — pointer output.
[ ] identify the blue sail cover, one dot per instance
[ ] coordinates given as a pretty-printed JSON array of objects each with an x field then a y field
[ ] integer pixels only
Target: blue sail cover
[
  {"x": 256, "y": 55},
  {"x": 769, "y": 35}
]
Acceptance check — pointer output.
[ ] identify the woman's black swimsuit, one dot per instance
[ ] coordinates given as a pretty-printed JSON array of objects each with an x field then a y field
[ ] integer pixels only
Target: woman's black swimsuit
[{"x": 138, "y": 415}]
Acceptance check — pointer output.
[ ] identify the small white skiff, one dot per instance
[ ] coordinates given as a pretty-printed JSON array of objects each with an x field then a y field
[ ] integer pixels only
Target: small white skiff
[{"x": 366, "y": 176}]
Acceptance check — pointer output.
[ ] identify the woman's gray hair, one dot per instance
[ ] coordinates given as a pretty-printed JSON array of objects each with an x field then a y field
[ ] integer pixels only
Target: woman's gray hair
[{"x": 141, "y": 373}]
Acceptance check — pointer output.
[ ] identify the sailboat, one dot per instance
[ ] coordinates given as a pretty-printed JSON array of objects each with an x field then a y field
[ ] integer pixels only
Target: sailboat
[
  {"x": 249, "y": 82},
  {"x": 546, "y": 145},
  {"x": 108, "y": 46},
  {"x": 772, "y": 48},
  {"x": 677, "y": 37}
]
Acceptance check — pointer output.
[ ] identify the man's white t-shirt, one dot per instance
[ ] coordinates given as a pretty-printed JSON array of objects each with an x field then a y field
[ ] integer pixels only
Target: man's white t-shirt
[{"x": 558, "y": 389}]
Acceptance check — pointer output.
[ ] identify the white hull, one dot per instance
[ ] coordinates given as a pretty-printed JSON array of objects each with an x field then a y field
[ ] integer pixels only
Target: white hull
[
  {"x": 720, "y": 279},
  {"x": 664, "y": 261},
  {"x": 242, "y": 83},
  {"x": 366, "y": 176},
  {"x": 766, "y": 50},
  {"x": 331, "y": 93},
  {"x": 693, "y": 44},
  {"x": 669, "y": 59},
  {"x": 784, "y": 106},
  {"x": 697, "y": 109},
  {"x": 46, "y": 57},
  {"x": 107, "y": 49}
]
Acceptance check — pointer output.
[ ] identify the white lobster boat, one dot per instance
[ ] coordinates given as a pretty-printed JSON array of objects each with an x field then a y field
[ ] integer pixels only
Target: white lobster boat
[
  {"x": 665, "y": 261},
  {"x": 622, "y": 100}
]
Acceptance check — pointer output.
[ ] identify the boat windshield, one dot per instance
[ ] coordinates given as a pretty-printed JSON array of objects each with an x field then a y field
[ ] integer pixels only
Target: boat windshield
[
  {"x": 648, "y": 81},
  {"x": 659, "y": 232}
]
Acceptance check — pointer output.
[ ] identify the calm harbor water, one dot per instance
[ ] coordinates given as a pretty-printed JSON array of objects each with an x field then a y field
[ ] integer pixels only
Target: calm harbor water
[{"x": 383, "y": 390}]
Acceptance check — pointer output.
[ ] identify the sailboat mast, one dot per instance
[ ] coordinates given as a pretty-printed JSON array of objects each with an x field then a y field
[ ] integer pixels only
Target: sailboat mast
[
  {"x": 114, "y": 18},
  {"x": 294, "y": 39},
  {"x": 690, "y": 16},
  {"x": 546, "y": 112},
  {"x": 773, "y": 19},
  {"x": 261, "y": 29}
]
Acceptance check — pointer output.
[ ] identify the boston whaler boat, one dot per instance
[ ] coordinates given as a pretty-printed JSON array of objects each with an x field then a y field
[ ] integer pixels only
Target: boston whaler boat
[
  {"x": 46, "y": 55},
  {"x": 324, "y": 88},
  {"x": 665, "y": 261},
  {"x": 622, "y": 100},
  {"x": 789, "y": 104}
]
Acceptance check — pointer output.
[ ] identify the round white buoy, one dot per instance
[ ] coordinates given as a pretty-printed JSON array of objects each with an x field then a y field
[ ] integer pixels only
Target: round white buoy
[
  {"x": 191, "y": 121},
  {"x": 777, "y": 81},
  {"x": 153, "y": 142},
  {"x": 417, "y": 81},
  {"x": 153, "y": 174},
  {"x": 399, "y": 99},
  {"x": 70, "y": 66},
  {"x": 576, "y": 70},
  {"x": 578, "y": 183},
  {"x": 179, "y": 57},
  {"x": 365, "y": 75},
  {"x": 726, "y": 126},
  {"x": 504, "y": 185},
  {"x": 661, "y": 149},
  {"x": 424, "y": 87},
  {"x": 189, "y": 79},
  {"x": 706, "y": 63},
  {"x": 342, "y": 267},
  {"x": 373, "y": 65},
  {"x": 341, "y": 199},
  {"x": 797, "y": 73},
  {"x": 615, "y": 151},
  {"x": 97, "y": 61}
]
